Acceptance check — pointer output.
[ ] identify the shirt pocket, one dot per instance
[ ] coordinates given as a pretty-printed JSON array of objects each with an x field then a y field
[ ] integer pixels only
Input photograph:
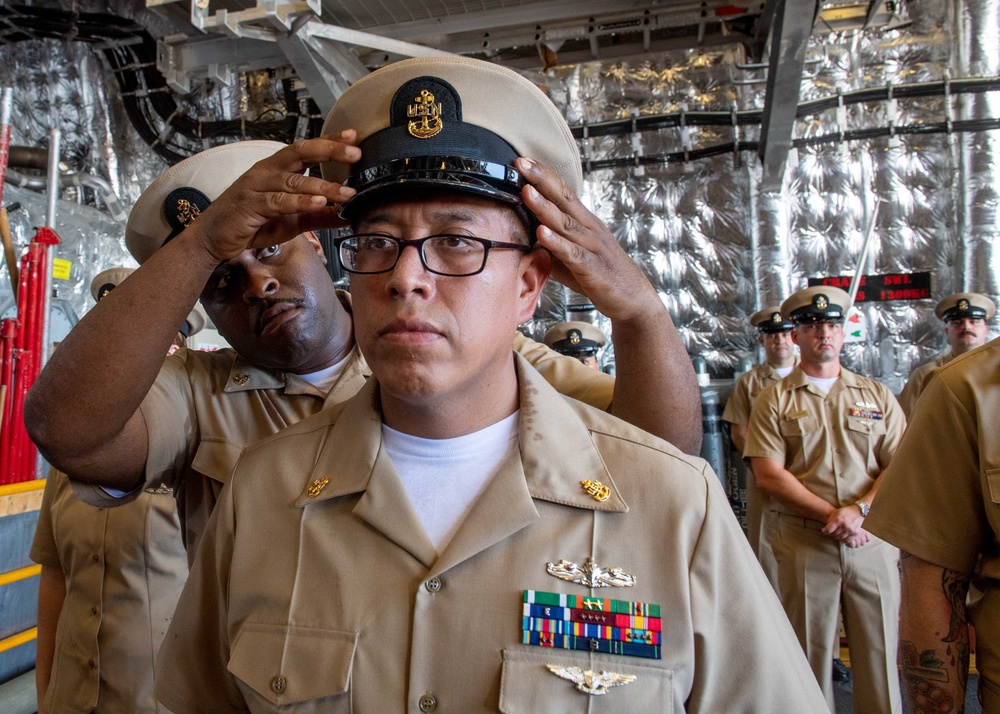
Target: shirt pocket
[
  {"x": 294, "y": 669},
  {"x": 528, "y": 685},
  {"x": 865, "y": 435},
  {"x": 799, "y": 427},
  {"x": 216, "y": 459}
]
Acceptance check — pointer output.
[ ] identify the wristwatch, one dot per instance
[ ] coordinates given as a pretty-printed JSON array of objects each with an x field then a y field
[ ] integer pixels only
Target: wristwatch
[{"x": 864, "y": 508}]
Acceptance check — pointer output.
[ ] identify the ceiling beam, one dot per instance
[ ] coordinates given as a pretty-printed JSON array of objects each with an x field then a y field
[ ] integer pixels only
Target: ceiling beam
[{"x": 793, "y": 23}]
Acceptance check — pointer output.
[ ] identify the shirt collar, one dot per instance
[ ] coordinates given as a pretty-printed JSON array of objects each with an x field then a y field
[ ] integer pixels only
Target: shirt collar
[{"x": 556, "y": 446}]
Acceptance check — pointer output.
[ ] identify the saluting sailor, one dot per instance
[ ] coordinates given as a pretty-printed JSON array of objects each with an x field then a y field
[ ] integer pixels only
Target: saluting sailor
[
  {"x": 818, "y": 443},
  {"x": 458, "y": 536}
]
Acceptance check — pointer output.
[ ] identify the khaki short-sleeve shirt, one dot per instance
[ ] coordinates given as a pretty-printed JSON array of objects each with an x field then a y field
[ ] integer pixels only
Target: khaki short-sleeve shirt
[
  {"x": 124, "y": 570},
  {"x": 836, "y": 444},
  {"x": 748, "y": 385},
  {"x": 358, "y": 612},
  {"x": 940, "y": 499},
  {"x": 917, "y": 381}
]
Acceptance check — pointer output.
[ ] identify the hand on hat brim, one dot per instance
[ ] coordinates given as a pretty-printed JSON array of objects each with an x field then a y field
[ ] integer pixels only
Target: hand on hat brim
[
  {"x": 274, "y": 201},
  {"x": 587, "y": 257}
]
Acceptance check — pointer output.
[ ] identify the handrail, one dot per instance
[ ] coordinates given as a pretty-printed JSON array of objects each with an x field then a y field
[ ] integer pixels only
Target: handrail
[
  {"x": 14, "y": 576},
  {"x": 19, "y": 639}
]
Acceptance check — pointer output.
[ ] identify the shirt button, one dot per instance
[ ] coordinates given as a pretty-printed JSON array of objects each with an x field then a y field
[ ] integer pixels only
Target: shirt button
[
  {"x": 91, "y": 664},
  {"x": 428, "y": 703},
  {"x": 93, "y": 610},
  {"x": 278, "y": 684},
  {"x": 97, "y": 558},
  {"x": 433, "y": 585}
]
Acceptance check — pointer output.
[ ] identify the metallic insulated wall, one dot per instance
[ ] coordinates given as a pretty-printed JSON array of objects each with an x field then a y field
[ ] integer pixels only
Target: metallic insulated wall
[
  {"x": 715, "y": 247},
  {"x": 69, "y": 85}
]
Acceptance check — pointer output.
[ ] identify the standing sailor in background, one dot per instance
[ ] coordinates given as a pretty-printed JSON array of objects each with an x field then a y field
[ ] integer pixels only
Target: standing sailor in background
[
  {"x": 819, "y": 441},
  {"x": 965, "y": 317},
  {"x": 109, "y": 584},
  {"x": 774, "y": 335},
  {"x": 576, "y": 339}
]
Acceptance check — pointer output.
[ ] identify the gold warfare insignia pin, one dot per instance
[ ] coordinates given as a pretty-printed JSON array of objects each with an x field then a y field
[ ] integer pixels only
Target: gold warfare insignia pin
[
  {"x": 963, "y": 305},
  {"x": 426, "y": 115},
  {"x": 597, "y": 490},
  {"x": 820, "y": 302},
  {"x": 186, "y": 212},
  {"x": 241, "y": 379},
  {"x": 317, "y": 486},
  {"x": 590, "y": 682},
  {"x": 590, "y": 574}
]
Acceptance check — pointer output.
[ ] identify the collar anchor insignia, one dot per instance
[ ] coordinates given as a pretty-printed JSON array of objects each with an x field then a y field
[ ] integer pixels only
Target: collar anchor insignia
[
  {"x": 597, "y": 490},
  {"x": 590, "y": 682},
  {"x": 317, "y": 486},
  {"x": 591, "y": 574}
]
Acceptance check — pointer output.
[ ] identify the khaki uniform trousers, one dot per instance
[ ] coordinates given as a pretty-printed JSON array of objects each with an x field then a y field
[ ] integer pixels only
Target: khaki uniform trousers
[
  {"x": 761, "y": 524},
  {"x": 817, "y": 575}
]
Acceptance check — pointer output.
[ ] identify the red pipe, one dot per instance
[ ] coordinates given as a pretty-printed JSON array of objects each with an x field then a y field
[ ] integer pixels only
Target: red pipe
[
  {"x": 26, "y": 310},
  {"x": 8, "y": 334},
  {"x": 12, "y": 431}
]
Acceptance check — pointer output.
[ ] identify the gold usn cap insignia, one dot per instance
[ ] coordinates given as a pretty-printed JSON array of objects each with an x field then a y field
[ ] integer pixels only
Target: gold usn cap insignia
[
  {"x": 596, "y": 489},
  {"x": 186, "y": 212},
  {"x": 963, "y": 305},
  {"x": 428, "y": 116},
  {"x": 575, "y": 336},
  {"x": 776, "y": 317},
  {"x": 821, "y": 302}
]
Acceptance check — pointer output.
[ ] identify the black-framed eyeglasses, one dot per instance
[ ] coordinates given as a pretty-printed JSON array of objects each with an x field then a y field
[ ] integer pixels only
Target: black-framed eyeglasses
[{"x": 454, "y": 255}]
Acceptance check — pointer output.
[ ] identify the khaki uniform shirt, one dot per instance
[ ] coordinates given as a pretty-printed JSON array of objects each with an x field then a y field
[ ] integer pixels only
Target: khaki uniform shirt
[
  {"x": 835, "y": 444},
  {"x": 748, "y": 385},
  {"x": 940, "y": 499},
  {"x": 124, "y": 570},
  {"x": 206, "y": 407},
  {"x": 316, "y": 589},
  {"x": 917, "y": 381}
]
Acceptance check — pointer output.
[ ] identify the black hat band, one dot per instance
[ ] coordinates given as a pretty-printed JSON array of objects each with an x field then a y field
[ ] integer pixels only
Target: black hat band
[
  {"x": 582, "y": 347},
  {"x": 181, "y": 207},
  {"x": 971, "y": 312}
]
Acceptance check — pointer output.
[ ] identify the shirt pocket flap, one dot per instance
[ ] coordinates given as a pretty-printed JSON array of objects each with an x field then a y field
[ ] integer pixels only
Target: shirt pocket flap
[
  {"x": 993, "y": 481},
  {"x": 216, "y": 459},
  {"x": 528, "y": 685},
  {"x": 285, "y": 664},
  {"x": 867, "y": 426},
  {"x": 798, "y": 427}
]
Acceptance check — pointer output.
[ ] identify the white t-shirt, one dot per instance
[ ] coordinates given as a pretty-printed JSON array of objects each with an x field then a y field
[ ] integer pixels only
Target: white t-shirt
[
  {"x": 444, "y": 477},
  {"x": 824, "y": 383},
  {"x": 783, "y": 371},
  {"x": 326, "y": 378}
]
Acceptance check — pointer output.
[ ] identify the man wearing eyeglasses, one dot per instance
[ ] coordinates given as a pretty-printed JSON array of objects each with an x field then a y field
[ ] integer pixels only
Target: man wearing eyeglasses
[
  {"x": 292, "y": 332},
  {"x": 818, "y": 442},
  {"x": 458, "y": 536}
]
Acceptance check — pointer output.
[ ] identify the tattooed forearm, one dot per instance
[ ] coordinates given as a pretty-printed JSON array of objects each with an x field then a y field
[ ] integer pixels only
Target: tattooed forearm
[{"x": 934, "y": 637}]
